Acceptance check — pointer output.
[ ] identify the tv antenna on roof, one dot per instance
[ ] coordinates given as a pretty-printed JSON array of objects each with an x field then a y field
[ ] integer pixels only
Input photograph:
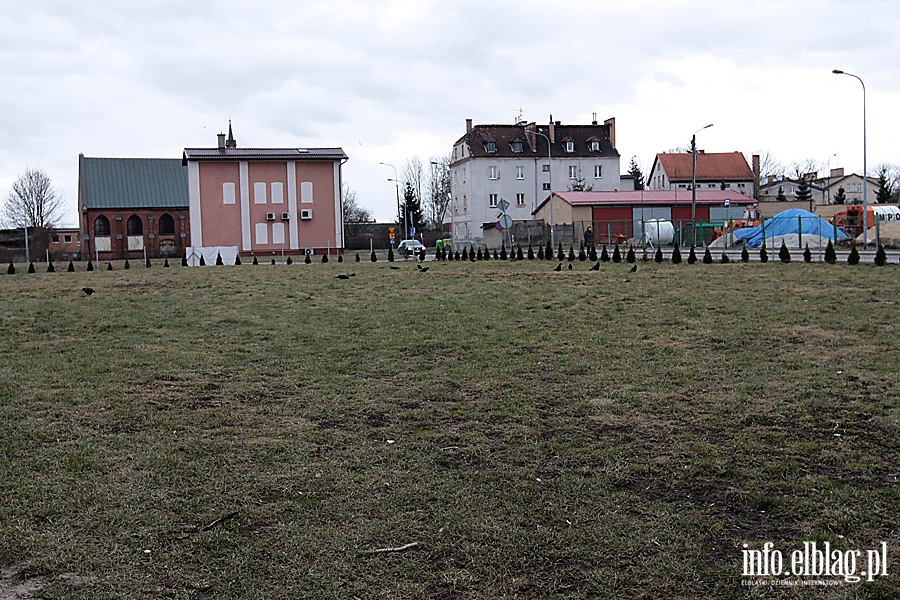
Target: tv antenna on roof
[{"x": 520, "y": 117}]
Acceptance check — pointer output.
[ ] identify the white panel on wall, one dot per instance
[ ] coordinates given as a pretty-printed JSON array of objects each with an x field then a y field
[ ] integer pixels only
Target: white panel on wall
[
  {"x": 277, "y": 192},
  {"x": 228, "y": 195},
  {"x": 306, "y": 192},
  {"x": 262, "y": 233},
  {"x": 277, "y": 233},
  {"x": 259, "y": 192}
]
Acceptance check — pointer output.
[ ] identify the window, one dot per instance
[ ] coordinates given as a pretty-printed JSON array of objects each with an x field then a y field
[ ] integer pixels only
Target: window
[
  {"x": 228, "y": 193},
  {"x": 306, "y": 192},
  {"x": 262, "y": 233},
  {"x": 520, "y": 199},
  {"x": 493, "y": 173},
  {"x": 166, "y": 225},
  {"x": 135, "y": 225},
  {"x": 515, "y": 145},
  {"x": 569, "y": 146},
  {"x": 711, "y": 186},
  {"x": 520, "y": 172},
  {"x": 490, "y": 146},
  {"x": 545, "y": 168},
  {"x": 55, "y": 239},
  {"x": 277, "y": 193},
  {"x": 259, "y": 192},
  {"x": 740, "y": 185},
  {"x": 546, "y": 186},
  {"x": 573, "y": 172},
  {"x": 277, "y": 233},
  {"x": 595, "y": 146},
  {"x": 492, "y": 200},
  {"x": 101, "y": 226},
  {"x": 67, "y": 239},
  {"x": 598, "y": 171}
]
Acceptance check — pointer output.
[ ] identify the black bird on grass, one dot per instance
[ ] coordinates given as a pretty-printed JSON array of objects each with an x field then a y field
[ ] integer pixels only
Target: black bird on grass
[
  {"x": 87, "y": 291},
  {"x": 342, "y": 276},
  {"x": 570, "y": 266},
  {"x": 633, "y": 269},
  {"x": 395, "y": 268},
  {"x": 423, "y": 269},
  {"x": 558, "y": 268},
  {"x": 596, "y": 267}
]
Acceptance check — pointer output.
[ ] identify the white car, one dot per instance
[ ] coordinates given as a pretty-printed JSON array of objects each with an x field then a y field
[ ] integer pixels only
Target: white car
[{"x": 411, "y": 246}]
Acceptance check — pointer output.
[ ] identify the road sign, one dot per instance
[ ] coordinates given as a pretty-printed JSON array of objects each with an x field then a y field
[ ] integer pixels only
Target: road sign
[
  {"x": 505, "y": 222},
  {"x": 392, "y": 235},
  {"x": 503, "y": 205},
  {"x": 412, "y": 231},
  {"x": 727, "y": 202},
  {"x": 391, "y": 230}
]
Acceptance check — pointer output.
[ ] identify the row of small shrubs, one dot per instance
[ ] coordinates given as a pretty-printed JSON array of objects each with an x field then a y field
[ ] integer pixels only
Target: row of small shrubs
[{"x": 11, "y": 269}]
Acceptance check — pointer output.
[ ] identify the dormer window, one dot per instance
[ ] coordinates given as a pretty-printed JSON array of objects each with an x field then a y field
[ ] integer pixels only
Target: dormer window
[
  {"x": 595, "y": 146},
  {"x": 490, "y": 146},
  {"x": 569, "y": 146},
  {"x": 516, "y": 145}
]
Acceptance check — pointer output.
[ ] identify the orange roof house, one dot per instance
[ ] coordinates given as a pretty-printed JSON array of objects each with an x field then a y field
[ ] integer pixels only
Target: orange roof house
[{"x": 715, "y": 170}]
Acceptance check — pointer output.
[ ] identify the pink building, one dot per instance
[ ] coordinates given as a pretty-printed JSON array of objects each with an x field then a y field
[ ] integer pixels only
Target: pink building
[{"x": 264, "y": 201}]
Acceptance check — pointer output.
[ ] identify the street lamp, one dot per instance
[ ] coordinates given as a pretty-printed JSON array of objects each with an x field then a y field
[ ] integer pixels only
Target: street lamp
[
  {"x": 694, "y": 181},
  {"x": 865, "y": 174},
  {"x": 550, "y": 172},
  {"x": 397, "y": 190}
]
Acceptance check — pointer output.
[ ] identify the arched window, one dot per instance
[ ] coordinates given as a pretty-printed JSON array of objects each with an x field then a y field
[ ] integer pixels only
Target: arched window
[
  {"x": 101, "y": 226},
  {"x": 135, "y": 225},
  {"x": 166, "y": 225}
]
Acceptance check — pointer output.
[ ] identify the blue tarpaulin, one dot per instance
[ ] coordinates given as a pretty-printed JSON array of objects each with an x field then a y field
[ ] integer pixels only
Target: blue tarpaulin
[{"x": 794, "y": 220}]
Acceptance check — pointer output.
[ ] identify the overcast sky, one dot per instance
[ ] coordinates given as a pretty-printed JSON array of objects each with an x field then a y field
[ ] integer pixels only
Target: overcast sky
[{"x": 391, "y": 80}]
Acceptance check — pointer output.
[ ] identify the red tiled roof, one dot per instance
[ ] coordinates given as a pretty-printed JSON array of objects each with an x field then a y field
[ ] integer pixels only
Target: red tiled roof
[
  {"x": 649, "y": 197},
  {"x": 714, "y": 166}
]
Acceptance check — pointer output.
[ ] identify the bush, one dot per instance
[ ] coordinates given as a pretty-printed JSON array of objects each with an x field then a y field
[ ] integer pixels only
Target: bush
[
  {"x": 724, "y": 259},
  {"x": 763, "y": 255},
  {"x": 71, "y": 267},
  {"x": 184, "y": 262},
  {"x": 617, "y": 255},
  {"x": 324, "y": 258},
  {"x": 307, "y": 260},
  {"x": 503, "y": 252},
  {"x": 11, "y": 269},
  {"x": 471, "y": 255},
  {"x": 237, "y": 259},
  {"x": 219, "y": 261},
  {"x": 519, "y": 255},
  {"x": 853, "y": 257},
  {"x": 255, "y": 261},
  {"x": 391, "y": 254},
  {"x": 592, "y": 254},
  {"x": 530, "y": 252},
  {"x": 676, "y": 255},
  {"x": 202, "y": 262},
  {"x": 830, "y": 254},
  {"x": 784, "y": 255},
  {"x": 166, "y": 263},
  {"x": 340, "y": 258},
  {"x": 128, "y": 266},
  {"x": 658, "y": 256},
  {"x": 147, "y": 263},
  {"x": 50, "y": 267},
  {"x": 478, "y": 255},
  {"x": 422, "y": 254},
  {"x": 630, "y": 256},
  {"x": 289, "y": 260},
  {"x": 604, "y": 255},
  {"x": 880, "y": 256},
  {"x": 31, "y": 267},
  {"x": 745, "y": 255},
  {"x": 90, "y": 266},
  {"x": 465, "y": 254},
  {"x": 456, "y": 256},
  {"x": 582, "y": 255},
  {"x": 807, "y": 255},
  {"x": 273, "y": 262},
  {"x": 358, "y": 259},
  {"x": 373, "y": 258},
  {"x": 560, "y": 254},
  {"x": 109, "y": 266},
  {"x": 644, "y": 257},
  {"x": 540, "y": 253},
  {"x": 571, "y": 253},
  {"x": 707, "y": 257},
  {"x": 548, "y": 253},
  {"x": 692, "y": 256}
]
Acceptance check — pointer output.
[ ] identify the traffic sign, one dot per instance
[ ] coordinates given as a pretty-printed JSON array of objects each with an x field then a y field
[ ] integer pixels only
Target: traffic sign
[
  {"x": 503, "y": 205},
  {"x": 727, "y": 202},
  {"x": 505, "y": 222}
]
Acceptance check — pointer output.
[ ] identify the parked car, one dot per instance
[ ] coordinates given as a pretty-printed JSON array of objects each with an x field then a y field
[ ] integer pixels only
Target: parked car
[{"x": 411, "y": 246}]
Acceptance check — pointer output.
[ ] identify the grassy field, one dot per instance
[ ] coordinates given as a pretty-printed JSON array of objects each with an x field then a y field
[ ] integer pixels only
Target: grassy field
[{"x": 254, "y": 431}]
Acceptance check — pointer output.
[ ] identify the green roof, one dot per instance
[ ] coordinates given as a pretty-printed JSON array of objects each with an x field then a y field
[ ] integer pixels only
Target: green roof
[{"x": 121, "y": 183}]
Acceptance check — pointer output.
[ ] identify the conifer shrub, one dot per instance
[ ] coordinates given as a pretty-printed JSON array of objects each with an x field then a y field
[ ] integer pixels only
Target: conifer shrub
[
  {"x": 487, "y": 253},
  {"x": 374, "y": 257},
  {"x": 725, "y": 259},
  {"x": 71, "y": 267},
  {"x": 90, "y": 266},
  {"x": 237, "y": 259},
  {"x": 644, "y": 257},
  {"x": 340, "y": 258},
  {"x": 707, "y": 257},
  {"x": 391, "y": 254},
  {"x": 50, "y": 267},
  {"x": 273, "y": 262},
  {"x": 807, "y": 255},
  {"x": 325, "y": 258},
  {"x": 31, "y": 267},
  {"x": 616, "y": 255},
  {"x": 880, "y": 256},
  {"x": 457, "y": 256},
  {"x": 503, "y": 251},
  {"x": 471, "y": 255},
  {"x": 530, "y": 252},
  {"x": 109, "y": 266},
  {"x": 658, "y": 256},
  {"x": 166, "y": 263},
  {"x": 560, "y": 254},
  {"x": 465, "y": 254},
  {"x": 853, "y": 257},
  {"x": 422, "y": 254},
  {"x": 358, "y": 259},
  {"x": 307, "y": 260},
  {"x": 147, "y": 263},
  {"x": 496, "y": 255},
  {"x": 692, "y": 256},
  {"x": 184, "y": 261},
  {"x": 289, "y": 260},
  {"x": 540, "y": 252},
  {"x": 519, "y": 255},
  {"x": 629, "y": 257},
  {"x": 676, "y": 255},
  {"x": 582, "y": 254},
  {"x": 255, "y": 260},
  {"x": 763, "y": 254},
  {"x": 548, "y": 253},
  {"x": 11, "y": 269},
  {"x": 478, "y": 255},
  {"x": 830, "y": 254},
  {"x": 592, "y": 255},
  {"x": 202, "y": 262},
  {"x": 784, "y": 255},
  {"x": 745, "y": 255},
  {"x": 571, "y": 253},
  {"x": 128, "y": 266},
  {"x": 604, "y": 255}
]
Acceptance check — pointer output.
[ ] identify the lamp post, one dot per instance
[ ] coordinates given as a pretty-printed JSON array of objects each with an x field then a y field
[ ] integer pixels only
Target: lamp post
[
  {"x": 396, "y": 189},
  {"x": 865, "y": 174},
  {"x": 694, "y": 181},
  {"x": 550, "y": 172}
]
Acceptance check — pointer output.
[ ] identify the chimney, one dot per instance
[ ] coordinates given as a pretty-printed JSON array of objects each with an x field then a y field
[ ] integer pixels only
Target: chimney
[
  {"x": 221, "y": 137},
  {"x": 552, "y": 130},
  {"x": 611, "y": 123},
  {"x": 530, "y": 129},
  {"x": 594, "y": 121},
  {"x": 468, "y": 126},
  {"x": 839, "y": 172},
  {"x": 755, "y": 159}
]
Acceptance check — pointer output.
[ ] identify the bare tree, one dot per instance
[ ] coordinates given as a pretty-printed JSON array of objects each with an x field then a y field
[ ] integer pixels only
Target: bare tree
[
  {"x": 32, "y": 202},
  {"x": 800, "y": 169},
  {"x": 414, "y": 177},
  {"x": 439, "y": 190},
  {"x": 769, "y": 166},
  {"x": 356, "y": 217}
]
